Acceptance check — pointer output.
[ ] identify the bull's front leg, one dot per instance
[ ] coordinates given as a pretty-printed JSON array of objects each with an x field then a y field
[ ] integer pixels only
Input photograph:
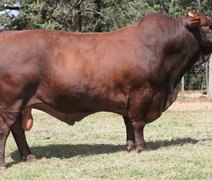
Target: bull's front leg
[
  {"x": 135, "y": 135},
  {"x": 139, "y": 135},
  {"x": 139, "y": 104},
  {"x": 20, "y": 139},
  {"x": 130, "y": 140},
  {"x": 4, "y": 132}
]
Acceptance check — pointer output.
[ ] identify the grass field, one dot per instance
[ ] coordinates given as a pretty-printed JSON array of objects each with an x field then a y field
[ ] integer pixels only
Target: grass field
[{"x": 180, "y": 143}]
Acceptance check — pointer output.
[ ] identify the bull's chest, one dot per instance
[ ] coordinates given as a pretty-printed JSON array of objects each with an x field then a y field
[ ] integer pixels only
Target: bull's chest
[{"x": 148, "y": 104}]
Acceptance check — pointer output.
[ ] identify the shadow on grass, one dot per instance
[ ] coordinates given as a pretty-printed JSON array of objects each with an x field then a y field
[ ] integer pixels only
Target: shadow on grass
[
  {"x": 153, "y": 145},
  {"x": 68, "y": 150}
]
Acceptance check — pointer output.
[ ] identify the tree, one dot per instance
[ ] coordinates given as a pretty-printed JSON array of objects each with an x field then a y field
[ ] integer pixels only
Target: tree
[
  {"x": 98, "y": 16},
  {"x": 76, "y": 15}
]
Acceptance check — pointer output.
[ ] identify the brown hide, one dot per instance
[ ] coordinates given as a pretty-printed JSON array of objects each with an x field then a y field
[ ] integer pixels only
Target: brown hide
[{"x": 134, "y": 71}]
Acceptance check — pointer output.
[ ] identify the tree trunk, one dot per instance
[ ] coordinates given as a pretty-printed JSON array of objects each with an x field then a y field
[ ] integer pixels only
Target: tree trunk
[
  {"x": 76, "y": 16},
  {"x": 98, "y": 16}
]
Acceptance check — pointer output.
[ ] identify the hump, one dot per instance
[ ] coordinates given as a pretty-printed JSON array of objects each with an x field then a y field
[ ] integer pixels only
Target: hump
[
  {"x": 157, "y": 25},
  {"x": 155, "y": 17}
]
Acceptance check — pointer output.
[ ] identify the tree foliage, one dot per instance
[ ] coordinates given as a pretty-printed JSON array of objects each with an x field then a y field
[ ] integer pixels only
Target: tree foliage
[
  {"x": 92, "y": 15},
  {"x": 88, "y": 15}
]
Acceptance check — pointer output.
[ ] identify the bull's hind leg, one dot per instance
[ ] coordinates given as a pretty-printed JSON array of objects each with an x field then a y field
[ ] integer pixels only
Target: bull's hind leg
[
  {"x": 20, "y": 139},
  {"x": 130, "y": 141},
  {"x": 4, "y": 132}
]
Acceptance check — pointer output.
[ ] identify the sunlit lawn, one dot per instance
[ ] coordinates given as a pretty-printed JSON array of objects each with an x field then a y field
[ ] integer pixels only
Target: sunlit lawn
[{"x": 180, "y": 143}]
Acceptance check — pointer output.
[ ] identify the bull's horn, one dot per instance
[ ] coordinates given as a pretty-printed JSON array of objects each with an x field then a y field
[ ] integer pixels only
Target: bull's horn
[{"x": 190, "y": 13}]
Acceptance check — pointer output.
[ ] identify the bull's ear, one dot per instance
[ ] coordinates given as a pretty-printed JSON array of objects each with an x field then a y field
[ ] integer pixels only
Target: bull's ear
[{"x": 194, "y": 19}]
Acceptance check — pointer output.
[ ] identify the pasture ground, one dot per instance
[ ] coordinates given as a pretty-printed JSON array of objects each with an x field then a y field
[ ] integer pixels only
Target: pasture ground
[{"x": 180, "y": 144}]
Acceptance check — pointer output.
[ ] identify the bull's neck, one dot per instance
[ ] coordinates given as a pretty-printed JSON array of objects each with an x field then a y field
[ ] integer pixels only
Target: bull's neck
[
  {"x": 181, "y": 51},
  {"x": 172, "y": 47}
]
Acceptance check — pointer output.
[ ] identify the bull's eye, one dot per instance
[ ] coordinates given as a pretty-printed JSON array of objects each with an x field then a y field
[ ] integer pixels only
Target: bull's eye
[{"x": 209, "y": 27}]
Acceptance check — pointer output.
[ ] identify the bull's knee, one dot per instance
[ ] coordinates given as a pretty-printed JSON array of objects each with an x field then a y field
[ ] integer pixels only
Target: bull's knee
[
  {"x": 138, "y": 125},
  {"x": 4, "y": 130}
]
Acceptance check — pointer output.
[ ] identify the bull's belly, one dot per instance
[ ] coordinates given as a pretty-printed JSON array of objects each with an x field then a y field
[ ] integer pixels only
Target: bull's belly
[
  {"x": 90, "y": 104},
  {"x": 70, "y": 110},
  {"x": 75, "y": 102}
]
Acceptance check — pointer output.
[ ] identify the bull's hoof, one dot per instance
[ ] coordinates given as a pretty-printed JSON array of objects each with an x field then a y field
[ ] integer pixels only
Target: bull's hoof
[
  {"x": 29, "y": 158},
  {"x": 141, "y": 149},
  {"x": 130, "y": 145}
]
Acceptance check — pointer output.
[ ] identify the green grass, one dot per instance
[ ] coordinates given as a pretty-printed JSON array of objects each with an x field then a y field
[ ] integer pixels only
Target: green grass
[{"x": 180, "y": 143}]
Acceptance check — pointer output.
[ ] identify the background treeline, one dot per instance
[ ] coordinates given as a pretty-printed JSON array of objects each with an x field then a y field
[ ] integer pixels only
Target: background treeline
[{"x": 97, "y": 16}]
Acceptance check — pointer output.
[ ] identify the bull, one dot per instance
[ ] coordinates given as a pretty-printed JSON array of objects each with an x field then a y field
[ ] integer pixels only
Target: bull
[{"x": 134, "y": 71}]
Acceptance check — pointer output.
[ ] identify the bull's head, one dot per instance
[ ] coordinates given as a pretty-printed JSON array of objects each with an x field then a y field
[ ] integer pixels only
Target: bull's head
[{"x": 203, "y": 26}]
